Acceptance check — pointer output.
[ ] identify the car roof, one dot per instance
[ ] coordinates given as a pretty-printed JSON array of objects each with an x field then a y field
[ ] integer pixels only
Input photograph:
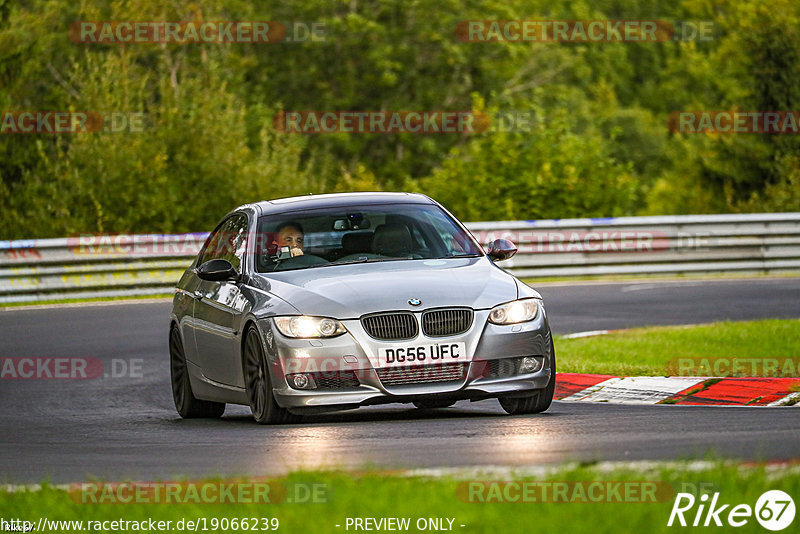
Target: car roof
[{"x": 332, "y": 200}]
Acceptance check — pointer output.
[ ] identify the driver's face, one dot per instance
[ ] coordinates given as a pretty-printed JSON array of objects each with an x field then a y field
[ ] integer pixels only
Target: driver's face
[{"x": 290, "y": 237}]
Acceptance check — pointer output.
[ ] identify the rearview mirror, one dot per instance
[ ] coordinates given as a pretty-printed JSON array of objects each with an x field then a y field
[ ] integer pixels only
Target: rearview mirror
[
  {"x": 501, "y": 249},
  {"x": 218, "y": 270},
  {"x": 354, "y": 221}
]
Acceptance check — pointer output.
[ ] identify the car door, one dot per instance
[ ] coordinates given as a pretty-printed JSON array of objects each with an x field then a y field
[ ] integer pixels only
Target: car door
[{"x": 219, "y": 306}]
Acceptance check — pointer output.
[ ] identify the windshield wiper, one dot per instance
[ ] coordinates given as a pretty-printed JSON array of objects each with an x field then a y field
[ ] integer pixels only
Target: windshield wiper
[
  {"x": 348, "y": 262},
  {"x": 363, "y": 259},
  {"x": 450, "y": 256}
]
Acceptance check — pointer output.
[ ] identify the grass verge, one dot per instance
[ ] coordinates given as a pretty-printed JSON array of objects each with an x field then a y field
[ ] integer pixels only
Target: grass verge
[
  {"x": 650, "y": 351},
  {"x": 511, "y": 503}
]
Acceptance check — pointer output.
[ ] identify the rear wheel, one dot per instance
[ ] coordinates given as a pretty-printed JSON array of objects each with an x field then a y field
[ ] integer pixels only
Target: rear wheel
[
  {"x": 538, "y": 402},
  {"x": 185, "y": 402},
  {"x": 433, "y": 404},
  {"x": 259, "y": 384}
]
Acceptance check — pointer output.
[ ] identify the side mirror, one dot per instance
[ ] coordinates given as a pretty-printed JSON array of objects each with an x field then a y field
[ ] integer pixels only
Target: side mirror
[
  {"x": 501, "y": 249},
  {"x": 217, "y": 271}
]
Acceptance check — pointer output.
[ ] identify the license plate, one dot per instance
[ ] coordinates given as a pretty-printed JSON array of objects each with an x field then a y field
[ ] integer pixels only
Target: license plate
[{"x": 428, "y": 354}]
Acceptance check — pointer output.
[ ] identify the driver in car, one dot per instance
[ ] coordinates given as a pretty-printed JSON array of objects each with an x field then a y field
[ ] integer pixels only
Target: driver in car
[{"x": 290, "y": 234}]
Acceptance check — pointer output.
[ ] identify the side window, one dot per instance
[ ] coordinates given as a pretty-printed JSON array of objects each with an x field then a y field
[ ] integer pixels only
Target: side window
[
  {"x": 238, "y": 241},
  {"x": 212, "y": 245},
  {"x": 229, "y": 242}
]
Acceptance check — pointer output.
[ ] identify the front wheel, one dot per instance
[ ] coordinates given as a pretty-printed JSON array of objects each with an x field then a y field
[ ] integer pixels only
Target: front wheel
[
  {"x": 185, "y": 402},
  {"x": 538, "y": 402},
  {"x": 259, "y": 384}
]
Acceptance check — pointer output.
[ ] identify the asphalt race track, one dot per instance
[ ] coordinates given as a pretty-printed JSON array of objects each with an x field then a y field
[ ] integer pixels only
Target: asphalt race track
[{"x": 117, "y": 428}]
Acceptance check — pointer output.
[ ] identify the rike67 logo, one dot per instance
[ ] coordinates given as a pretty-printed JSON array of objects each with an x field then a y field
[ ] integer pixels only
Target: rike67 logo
[{"x": 774, "y": 510}]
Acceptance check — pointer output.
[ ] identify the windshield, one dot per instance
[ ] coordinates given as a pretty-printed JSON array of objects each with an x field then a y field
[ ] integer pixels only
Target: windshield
[{"x": 359, "y": 234}]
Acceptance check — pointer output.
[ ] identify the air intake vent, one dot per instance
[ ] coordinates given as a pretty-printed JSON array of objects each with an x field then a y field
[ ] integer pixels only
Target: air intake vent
[
  {"x": 450, "y": 322},
  {"x": 336, "y": 380},
  {"x": 503, "y": 367},
  {"x": 422, "y": 374},
  {"x": 391, "y": 326}
]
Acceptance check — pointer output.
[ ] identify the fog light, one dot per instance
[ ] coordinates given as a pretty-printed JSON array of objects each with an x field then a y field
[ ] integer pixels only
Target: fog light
[
  {"x": 531, "y": 364},
  {"x": 300, "y": 381}
]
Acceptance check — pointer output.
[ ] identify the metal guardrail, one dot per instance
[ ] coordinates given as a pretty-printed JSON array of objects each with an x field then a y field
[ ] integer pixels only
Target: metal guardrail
[
  {"x": 762, "y": 242},
  {"x": 125, "y": 265},
  {"x": 94, "y": 266}
]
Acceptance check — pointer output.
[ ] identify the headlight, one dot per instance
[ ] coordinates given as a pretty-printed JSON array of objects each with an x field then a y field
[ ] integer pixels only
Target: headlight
[
  {"x": 305, "y": 326},
  {"x": 519, "y": 311}
]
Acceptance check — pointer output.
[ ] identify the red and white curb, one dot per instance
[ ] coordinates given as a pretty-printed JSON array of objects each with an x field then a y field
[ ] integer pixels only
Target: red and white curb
[{"x": 578, "y": 387}]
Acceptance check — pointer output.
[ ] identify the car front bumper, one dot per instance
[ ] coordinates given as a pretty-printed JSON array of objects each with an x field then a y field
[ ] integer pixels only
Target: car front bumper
[{"x": 489, "y": 347}]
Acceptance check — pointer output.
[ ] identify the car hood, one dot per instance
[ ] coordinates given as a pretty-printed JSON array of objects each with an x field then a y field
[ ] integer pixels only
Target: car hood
[{"x": 350, "y": 291}]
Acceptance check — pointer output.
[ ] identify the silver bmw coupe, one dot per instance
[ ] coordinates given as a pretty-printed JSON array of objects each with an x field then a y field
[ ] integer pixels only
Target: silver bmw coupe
[{"x": 330, "y": 302}]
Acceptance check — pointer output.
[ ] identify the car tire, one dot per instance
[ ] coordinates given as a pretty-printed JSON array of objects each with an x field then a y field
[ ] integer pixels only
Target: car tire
[
  {"x": 258, "y": 383},
  {"x": 538, "y": 402},
  {"x": 186, "y": 404},
  {"x": 433, "y": 405}
]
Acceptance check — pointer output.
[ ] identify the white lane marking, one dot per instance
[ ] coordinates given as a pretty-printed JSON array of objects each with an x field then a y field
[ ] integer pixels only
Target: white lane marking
[
  {"x": 588, "y": 333},
  {"x": 635, "y": 389},
  {"x": 655, "y": 282},
  {"x": 13, "y": 488},
  {"x": 634, "y": 286},
  {"x": 54, "y": 306},
  {"x": 645, "y": 287}
]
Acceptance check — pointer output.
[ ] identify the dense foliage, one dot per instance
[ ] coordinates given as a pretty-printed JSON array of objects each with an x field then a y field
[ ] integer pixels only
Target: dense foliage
[{"x": 599, "y": 144}]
